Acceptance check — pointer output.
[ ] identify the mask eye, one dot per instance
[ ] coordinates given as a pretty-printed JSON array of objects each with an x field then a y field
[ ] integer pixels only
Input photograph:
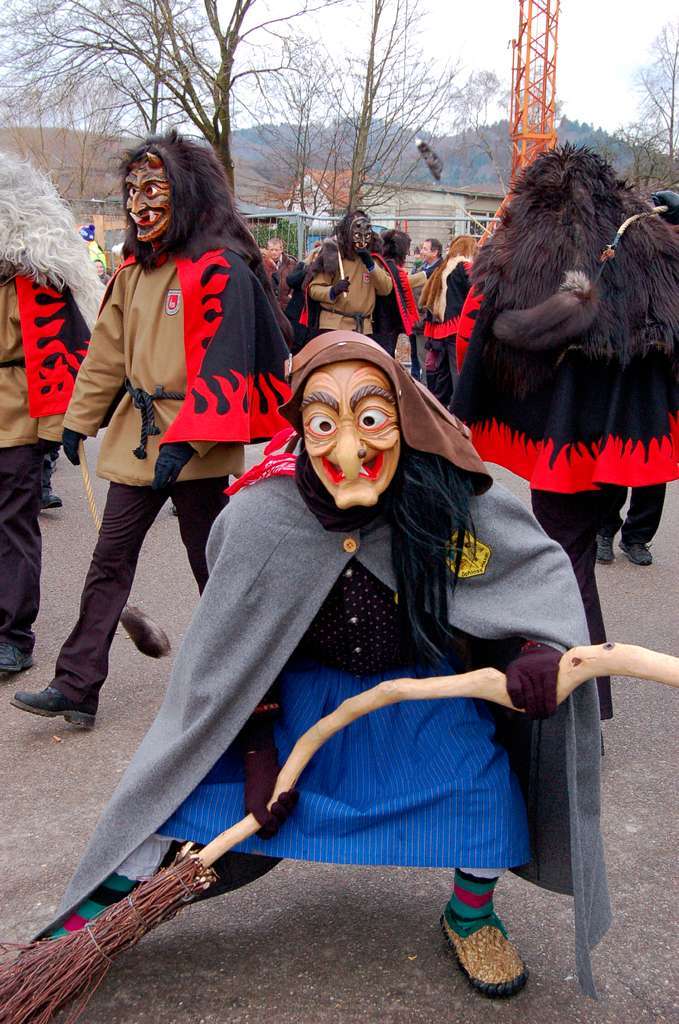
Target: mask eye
[
  {"x": 372, "y": 419},
  {"x": 322, "y": 426}
]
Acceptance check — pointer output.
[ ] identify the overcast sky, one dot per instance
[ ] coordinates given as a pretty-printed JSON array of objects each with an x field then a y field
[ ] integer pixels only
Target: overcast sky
[{"x": 601, "y": 43}]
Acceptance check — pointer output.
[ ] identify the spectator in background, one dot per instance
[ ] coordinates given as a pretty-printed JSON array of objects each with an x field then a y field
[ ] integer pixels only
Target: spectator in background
[
  {"x": 395, "y": 312},
  {"x": 94, "y": 250},
  {"x": 296, "y": 280},
  {"x": 442, "y": 299},
  {"x": 101, "y": 271},
  {"x": 282, "y": 264},
  {"x": 430, "y": 255}
]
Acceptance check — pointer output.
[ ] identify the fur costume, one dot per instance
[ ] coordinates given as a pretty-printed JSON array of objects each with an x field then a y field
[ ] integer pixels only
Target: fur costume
[
  {"x": 571, "y": 375},
  {"x": 39, "y": 238}
]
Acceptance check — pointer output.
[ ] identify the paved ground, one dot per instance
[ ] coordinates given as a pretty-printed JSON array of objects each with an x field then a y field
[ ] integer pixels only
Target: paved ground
[{"x": 312, "y": 944}]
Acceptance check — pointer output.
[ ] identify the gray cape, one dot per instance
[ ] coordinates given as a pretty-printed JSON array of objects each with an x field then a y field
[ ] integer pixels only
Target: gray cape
[{"x": 271, "y": 566}]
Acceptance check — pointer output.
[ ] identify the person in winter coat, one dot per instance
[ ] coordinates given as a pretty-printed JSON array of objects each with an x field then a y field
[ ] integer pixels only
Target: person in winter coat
[
  {"x": 395, "y": 313},
  {"x": 442, "y": 299},
  {"x": 296, "y": 280}
]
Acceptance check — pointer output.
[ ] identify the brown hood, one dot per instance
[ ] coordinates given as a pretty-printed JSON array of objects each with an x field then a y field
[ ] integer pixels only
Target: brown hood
[{"x": 425, "y": 424}]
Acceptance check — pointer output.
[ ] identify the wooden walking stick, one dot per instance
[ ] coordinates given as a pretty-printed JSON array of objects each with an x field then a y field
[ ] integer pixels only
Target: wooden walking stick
[
  {"x": 146, "y": 636},
  {"x": 51, "y": 973}
]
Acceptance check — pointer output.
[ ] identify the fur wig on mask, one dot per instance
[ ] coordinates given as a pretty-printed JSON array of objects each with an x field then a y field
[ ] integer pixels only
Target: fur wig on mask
[
  {"x": 538, "y": 273},
  {"x": 39, "y": 237},
  {"x": 204, "y": 214}
]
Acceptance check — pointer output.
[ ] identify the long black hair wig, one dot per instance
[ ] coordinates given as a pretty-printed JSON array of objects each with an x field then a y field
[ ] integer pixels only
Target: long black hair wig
[
  {"x": 428, "y": 507},
  {"x": 204, "y": 214}
]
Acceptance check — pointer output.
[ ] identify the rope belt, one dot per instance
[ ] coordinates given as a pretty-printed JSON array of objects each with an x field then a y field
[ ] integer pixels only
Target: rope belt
[
  {"x": 13, "y": 362},
  {"x": 358, "y": 318},
  {"x": 143, "y": 400}
]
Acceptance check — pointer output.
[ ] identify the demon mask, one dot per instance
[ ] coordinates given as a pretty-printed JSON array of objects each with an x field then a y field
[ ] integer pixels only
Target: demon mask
[
  {"x": 351, "y": 431},
  {"x": 361, "y": 232},
  {"x": 149, "y": 198}
]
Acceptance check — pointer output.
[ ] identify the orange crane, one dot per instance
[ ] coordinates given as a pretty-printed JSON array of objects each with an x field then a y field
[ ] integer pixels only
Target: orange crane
[{"x": 531, "y": 125}]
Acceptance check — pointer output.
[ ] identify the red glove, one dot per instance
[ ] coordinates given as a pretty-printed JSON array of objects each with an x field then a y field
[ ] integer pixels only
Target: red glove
[{"x": 531, "y": 680}]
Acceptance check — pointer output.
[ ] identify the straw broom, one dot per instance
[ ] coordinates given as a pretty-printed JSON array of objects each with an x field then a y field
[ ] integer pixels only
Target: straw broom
[
  {"x": 51, "y": 973},
  {"x": 147, "y": 637}
]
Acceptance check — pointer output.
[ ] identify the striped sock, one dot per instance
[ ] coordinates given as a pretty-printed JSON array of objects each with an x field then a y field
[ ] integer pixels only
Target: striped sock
[
  {"x": 109, "y": 892},
  {"x": 471, "y": 905}
]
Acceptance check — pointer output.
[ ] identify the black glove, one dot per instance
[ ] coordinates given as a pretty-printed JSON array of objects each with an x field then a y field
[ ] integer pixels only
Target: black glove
[
  {"x": 671, "y": 201},
  {"x": 337, "y": 289},
  {"x": 366, "y": 258},
  {"x": 71, "y": 439},
  {"x": 49, "y": 446},
  {"x": 531, "y": 680},
  {"x": 170, "y": 462}
]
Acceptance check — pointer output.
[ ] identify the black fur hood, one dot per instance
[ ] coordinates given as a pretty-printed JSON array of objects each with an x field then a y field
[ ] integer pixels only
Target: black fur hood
[{"x": 537, "y": 272}]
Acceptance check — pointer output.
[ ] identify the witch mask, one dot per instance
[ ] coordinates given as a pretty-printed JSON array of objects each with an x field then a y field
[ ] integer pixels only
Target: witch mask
[
  {"x": 351, "y": 431},
  {"x": 149, "y": 198}
]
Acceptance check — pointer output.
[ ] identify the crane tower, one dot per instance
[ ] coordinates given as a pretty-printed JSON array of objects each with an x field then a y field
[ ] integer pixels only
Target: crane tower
[{"x": 532, "y": 114}]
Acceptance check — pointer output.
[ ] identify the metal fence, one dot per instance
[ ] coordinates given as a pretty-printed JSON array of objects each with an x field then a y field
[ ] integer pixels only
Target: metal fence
[{"x": 300, "y": 231}]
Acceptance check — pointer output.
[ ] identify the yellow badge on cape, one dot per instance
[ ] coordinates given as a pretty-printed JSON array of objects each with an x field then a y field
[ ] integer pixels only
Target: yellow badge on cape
[{"x": 475, "y": 557}]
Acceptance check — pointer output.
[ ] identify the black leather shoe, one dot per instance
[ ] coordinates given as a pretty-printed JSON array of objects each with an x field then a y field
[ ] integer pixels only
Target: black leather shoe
[
  {"x": 12, "y": 659},
  {"x": 637, "y": 553},
  {"x": 50, "y": 703}
]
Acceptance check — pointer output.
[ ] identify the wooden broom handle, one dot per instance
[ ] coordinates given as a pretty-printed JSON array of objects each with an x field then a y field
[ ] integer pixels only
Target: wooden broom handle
[
  {"x": 576, "y": 667},
  {"x": 87, "y": 483}
]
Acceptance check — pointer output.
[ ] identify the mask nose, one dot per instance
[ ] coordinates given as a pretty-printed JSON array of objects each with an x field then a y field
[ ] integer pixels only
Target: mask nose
[{"x": 346, "y": 453}]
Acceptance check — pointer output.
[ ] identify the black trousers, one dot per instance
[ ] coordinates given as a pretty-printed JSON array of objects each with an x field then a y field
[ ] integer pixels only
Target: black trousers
[
  {"x": 643, "y": 515},
  {"x": 573, "y": 520},
  {"x": 387, "y": 339},
  {"x": 82, "y": 665},
  {"x": 443, "y": 380},
  {"x": 20, "y": 543}
]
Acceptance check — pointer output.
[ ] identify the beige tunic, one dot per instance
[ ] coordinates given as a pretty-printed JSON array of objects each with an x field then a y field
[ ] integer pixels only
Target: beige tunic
[
  {"x": 17, "y": 427},
  {"x": 140, "y": 336},
  {"x": 360, "y": 298}
]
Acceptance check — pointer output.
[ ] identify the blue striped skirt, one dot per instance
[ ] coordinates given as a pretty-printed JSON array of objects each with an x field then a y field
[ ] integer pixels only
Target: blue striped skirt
[{"x": 417, "y": 784}]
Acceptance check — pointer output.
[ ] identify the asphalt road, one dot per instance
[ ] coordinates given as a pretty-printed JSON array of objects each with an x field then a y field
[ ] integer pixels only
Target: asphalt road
[{"x": 310, "y": 944}]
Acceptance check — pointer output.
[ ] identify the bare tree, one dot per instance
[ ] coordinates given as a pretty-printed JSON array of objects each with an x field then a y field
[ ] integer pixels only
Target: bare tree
[
  {"x": 186, "y": 58},
  {"x": 70, "y": 136},
  {"x": 658, "y": 83},
  {"x": 387, "y": 94},
  {"x": 477, "y": 104}
]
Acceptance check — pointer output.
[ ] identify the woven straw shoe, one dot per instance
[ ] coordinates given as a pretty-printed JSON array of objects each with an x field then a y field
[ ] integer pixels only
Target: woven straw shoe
[{"x": 489, "y": 960}]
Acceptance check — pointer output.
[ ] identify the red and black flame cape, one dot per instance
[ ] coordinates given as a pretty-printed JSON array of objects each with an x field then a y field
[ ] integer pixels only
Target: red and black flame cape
[
  {"x": 235, "y": 353},
  {"x": 457, "y": 289},
  {"x": 572, "y": 401},
  {"x": 402, "y": 296},
  {"x": 55, "y": 339},
  {"x": 596, "y": 421}
]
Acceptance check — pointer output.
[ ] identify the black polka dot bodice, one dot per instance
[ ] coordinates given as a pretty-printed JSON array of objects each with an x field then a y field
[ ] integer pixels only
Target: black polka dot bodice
[{"x": 358, "y": 628}]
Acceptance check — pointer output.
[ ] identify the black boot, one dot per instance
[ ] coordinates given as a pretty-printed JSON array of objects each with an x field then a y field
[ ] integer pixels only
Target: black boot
[
  {"x": 50, "y": 703},
  {"x": 604, "y": 549},
  {"x": 13, "y": 659}
]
